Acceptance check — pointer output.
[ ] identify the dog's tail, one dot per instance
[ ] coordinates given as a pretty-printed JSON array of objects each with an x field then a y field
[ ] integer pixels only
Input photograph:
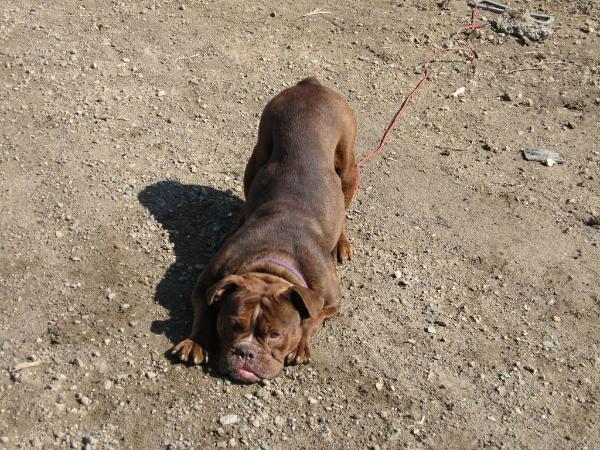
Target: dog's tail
[{"x": 310, "y": 80}]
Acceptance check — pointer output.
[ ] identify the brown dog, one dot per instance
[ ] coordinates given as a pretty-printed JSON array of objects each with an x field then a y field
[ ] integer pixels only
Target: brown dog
[{"x": 274, "y": 280}]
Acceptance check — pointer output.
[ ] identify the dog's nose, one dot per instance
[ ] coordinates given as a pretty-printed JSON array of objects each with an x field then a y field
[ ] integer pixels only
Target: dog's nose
[{"x": 245, "y": 351}]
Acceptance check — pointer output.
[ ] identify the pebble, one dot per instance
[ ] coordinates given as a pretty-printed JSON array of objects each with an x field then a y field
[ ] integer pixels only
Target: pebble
[
  {"x": 460, "y": 92},
  {"x": 548, "y": 343},
  {"x": 108, "y": 384},
  {"x": 556, "y": 318},
  {"x": 4, "y": 439},
  {"x": 91, "y": 440},
  {"x": 431, "y": 330},
  {"x": 312, "y": 400},
  {"x": 232, "y": 442},
  {"x": 132, "y": 323},
  {"x": 229, "y": 419},
  {"x": 279, "y": 421},
  {"x": 84, "y": 400},
  {"x": 222, "y": 444},
  {"x": 379, "y": 386}
]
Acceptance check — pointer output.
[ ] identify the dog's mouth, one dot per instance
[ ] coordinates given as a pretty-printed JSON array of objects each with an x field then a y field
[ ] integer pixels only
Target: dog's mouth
[{"x": 245, "y": 375}]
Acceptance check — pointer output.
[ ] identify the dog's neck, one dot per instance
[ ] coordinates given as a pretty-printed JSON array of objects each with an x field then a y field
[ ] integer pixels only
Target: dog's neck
[{"x": 286, "y": 265}]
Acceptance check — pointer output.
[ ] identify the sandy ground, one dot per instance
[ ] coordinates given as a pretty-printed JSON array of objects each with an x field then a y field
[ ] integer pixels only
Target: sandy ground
[{"x": 470, "y": 311}]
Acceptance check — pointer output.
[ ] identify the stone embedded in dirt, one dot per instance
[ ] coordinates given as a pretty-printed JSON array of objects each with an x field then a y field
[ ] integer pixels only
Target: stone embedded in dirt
[
  {"x": 549, "y": 344},
  {"x": 84, "y": 400},
  {"x": 279, "y": 421},
  {"x": 460, "y": 92},
  {"x": 543, "y": 156},
  {"x": 519, "y": 23},
  {"x": 379, "y": 386},
  {"x": 229, "y": 419},
  {"x": 431, "y": 330}
]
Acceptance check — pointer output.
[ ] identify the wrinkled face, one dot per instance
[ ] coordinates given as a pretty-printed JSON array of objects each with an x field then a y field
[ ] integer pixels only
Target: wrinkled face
[{"x": 258, "y": 324}]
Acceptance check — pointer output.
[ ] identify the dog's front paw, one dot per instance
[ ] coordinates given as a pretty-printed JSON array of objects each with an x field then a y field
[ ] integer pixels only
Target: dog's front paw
[
  {"x": 299, "y": 356},
  {"x": 190, "y": 351},
  {"x": 343, "y": 250}
]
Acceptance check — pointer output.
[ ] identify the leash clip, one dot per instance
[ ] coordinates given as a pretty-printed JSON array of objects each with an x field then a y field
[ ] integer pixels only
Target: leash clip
[{"x": 500, "y": 8}]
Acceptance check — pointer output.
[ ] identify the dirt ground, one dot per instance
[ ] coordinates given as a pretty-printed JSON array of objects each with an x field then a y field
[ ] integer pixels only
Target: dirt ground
[{"x": 470, "y": 313}]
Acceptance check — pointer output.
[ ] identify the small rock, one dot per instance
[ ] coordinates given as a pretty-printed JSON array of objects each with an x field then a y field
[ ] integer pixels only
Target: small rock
[
  {"x": 229, "y": 419},
  {"x": 161, "y": 93},
  {"x": 556, "y": 318},
  {"x": 431, "y": 329},
  {"x": 4, "y": 439},
  {"x": 549, "y": 344},
  {"x": 279, "y": 421},
  {"x": 84, "y": 400},
  {"x": 527, "y": 102},
  {"x": 460, "y": 92},
  {"x": 312, "y": 400},
  {"x": 108, "y": 384},
  {"x": 89, "y": 440},
  {"x": 222, "y": 444},
  {"x": 132, "y": 323}
]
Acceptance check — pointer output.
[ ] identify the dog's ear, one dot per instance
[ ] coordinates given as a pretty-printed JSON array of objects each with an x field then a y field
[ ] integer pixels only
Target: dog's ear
[
  {"x": 217, "y": 290},
  {"x": 308, "y": 303}
]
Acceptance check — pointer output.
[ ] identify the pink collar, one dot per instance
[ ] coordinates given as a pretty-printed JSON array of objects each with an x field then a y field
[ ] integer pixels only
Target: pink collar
[{"x": 287, "y": 266}]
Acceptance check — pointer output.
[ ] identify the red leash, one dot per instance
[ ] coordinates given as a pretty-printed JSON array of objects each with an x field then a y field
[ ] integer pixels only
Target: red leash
[{"x": 471, "y": 54}]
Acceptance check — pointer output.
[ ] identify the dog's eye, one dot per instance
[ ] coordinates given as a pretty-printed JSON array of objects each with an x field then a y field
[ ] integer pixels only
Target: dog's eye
[
  {"x": 274, "y": 334},
  {"x": 236, "y": 326}
]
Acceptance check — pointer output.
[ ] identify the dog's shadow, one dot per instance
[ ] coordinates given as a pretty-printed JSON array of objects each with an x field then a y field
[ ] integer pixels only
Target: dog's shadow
[{"x": 196, "y": 218}]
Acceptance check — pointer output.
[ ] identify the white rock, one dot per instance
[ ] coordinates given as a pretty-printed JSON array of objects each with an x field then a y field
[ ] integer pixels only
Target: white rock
[
  {"x": 460, "y": 92},
  {"x": 229, "y": 419}
]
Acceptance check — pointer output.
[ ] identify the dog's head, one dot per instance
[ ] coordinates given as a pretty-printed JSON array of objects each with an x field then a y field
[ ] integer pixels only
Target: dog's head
[{"x": 259, "y": 323}]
